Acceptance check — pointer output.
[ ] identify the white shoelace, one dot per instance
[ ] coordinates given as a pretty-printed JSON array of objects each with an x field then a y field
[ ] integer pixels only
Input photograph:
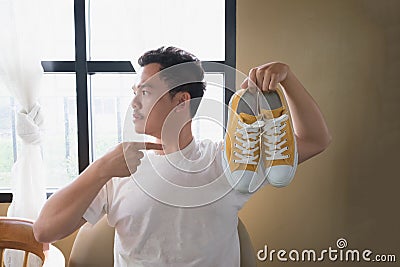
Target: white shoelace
[
  {"x": 273, "y": 134},
  {"x": 250, "y": 137}
]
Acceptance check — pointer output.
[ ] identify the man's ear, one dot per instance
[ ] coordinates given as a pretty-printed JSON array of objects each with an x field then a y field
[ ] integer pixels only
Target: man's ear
[{"x": 183, "y": 99}]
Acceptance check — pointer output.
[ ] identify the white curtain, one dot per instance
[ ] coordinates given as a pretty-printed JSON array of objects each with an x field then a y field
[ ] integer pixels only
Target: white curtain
[{"x": 20, "y": 73}]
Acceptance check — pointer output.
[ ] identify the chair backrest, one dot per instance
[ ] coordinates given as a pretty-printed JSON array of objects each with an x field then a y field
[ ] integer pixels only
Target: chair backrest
[
  {"x": 247, "y": 255},
  {"x": 94, "y": 245},
  {"x": 16, "y": 233}
]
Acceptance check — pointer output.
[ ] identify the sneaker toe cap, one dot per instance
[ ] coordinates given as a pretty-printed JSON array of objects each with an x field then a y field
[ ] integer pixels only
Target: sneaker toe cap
[{"x": 281, "y": 175}]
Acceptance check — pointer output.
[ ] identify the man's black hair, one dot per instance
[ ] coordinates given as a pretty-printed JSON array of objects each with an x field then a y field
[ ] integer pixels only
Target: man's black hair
[{"x": 193, "y": 71}]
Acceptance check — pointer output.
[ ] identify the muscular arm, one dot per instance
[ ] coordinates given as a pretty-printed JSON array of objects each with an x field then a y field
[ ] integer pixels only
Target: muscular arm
[
  {"x": 63, "y": 211},
  {"x": 312, "y": 134}
]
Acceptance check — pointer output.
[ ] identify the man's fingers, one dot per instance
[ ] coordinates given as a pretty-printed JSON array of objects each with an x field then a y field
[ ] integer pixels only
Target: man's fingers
[
  {"x": 147, "y": 146},
  {"x": 274, "y": 82},
  {"x": 252, "y": 79},
  {"x": 244, "y": 84},
  {"x": 154, "y": 146},
  {"x": 265, "y": 83},
  {"x": 260, "y": 78}
]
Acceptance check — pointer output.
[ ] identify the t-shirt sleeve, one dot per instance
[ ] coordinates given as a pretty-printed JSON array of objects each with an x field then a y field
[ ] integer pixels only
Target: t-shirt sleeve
[{"x": 98, "y": 208}]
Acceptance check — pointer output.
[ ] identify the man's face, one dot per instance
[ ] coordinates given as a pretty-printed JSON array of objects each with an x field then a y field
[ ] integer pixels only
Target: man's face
[{"x": 152, "y": 103}]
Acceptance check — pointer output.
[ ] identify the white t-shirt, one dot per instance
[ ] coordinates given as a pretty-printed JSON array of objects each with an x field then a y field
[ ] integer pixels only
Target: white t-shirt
[{"x": 158, "y": 224}]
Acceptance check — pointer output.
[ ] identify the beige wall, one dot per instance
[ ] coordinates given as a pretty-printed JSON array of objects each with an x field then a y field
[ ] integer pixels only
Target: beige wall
[{"x": 346, "y": 53}]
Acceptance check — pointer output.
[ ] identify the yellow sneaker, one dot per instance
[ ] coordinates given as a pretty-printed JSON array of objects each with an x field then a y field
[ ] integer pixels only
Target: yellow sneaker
[
  {"x": 241, "y": 155},
  {"x": 279, "y": 150}
]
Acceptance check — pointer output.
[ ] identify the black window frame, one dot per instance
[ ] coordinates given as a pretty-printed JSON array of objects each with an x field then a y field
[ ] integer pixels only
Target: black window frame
[{"x": 83, "y": 67}]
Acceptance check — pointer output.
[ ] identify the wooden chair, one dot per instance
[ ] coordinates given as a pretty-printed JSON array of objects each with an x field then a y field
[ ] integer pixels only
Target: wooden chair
[{"x": 17, "y": 234}]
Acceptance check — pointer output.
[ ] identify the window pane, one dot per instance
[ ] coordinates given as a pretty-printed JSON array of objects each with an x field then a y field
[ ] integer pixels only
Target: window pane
[
  {"x": 60, "y": 146},
  {"x": 57, "y": 30},
  {"x": 6, "y": 139},
  {"x": 60, "y": 149},
  {"x": 208, "y": 122},
  {"x": 112, "y": 94},
  {"x": 124, "y": 29}
]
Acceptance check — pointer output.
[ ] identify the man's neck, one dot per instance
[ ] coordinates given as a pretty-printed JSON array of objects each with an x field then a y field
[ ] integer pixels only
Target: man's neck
[{"x": 171, "y": 145}]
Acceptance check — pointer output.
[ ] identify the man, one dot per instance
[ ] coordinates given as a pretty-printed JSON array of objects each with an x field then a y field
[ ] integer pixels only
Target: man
[{"x": 152, "y": 229}]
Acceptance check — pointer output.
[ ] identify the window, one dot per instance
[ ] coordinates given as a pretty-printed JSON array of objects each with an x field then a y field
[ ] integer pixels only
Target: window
[
  {"x": 133, "y": 27},
  {"x": 87, "y": 83},
  {"x": 60, "y": 146},
  {"x": 58, "y": 98},
  {"x": 7, "y": 138},
  {"x": 57, "y": 30}
]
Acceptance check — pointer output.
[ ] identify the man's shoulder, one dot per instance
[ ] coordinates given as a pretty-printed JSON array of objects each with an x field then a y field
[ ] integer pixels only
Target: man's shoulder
[
  {"x": 116, "y": 182},
  {"x": 210, "y": 144}
]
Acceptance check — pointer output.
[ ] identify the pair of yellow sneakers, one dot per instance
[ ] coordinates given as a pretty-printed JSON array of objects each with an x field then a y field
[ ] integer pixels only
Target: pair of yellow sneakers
[{"x": 259, "y": 142}]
